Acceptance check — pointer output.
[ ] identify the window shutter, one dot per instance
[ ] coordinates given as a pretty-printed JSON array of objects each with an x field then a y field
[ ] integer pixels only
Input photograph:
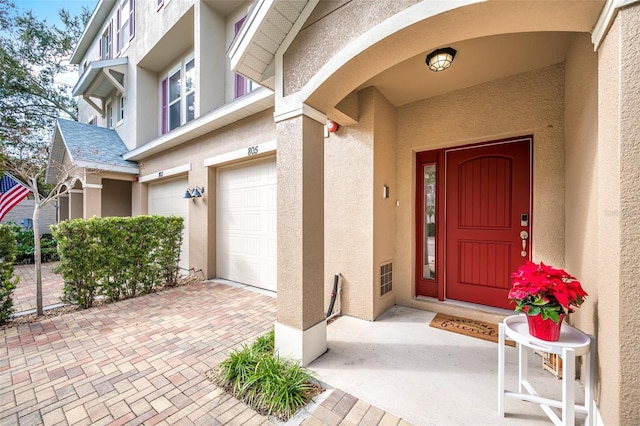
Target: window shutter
[
  {"x": 240, "y": 82},
  {"x": 165, "y": 106},
  {"x": 100, "y": 48},
  {"x": 241, "y": 86},
  {"x": 118, "y": 48},
  {"x": 132, "y": 19},
  {"x": 110, "y": 37}
]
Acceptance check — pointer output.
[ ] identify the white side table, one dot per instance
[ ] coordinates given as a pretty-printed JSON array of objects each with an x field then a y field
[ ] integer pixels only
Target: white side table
[{"x": 572, "y": 343}]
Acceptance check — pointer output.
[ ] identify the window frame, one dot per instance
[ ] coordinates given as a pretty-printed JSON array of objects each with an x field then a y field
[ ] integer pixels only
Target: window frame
[
  {"x": 242, "y": 85},
  {"x": 166, "y": 102},
  {"x": 109, "y": 114},
  {"x": 121, "y": 23},
  {"x": 178, "y": 100},
  {"x": 106, "y": 42},
  {"x": 120, "y": 105},
  {"x": 191, "y": 91}
]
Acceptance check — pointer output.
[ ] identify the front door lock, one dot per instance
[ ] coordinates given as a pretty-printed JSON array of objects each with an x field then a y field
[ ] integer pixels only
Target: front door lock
[{"x": 525, "y": 236}]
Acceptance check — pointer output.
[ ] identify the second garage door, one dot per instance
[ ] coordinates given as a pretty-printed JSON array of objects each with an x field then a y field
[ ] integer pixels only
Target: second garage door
[
  {"x": 165, "y": 199},
  {"x": 246, "y": 223}
]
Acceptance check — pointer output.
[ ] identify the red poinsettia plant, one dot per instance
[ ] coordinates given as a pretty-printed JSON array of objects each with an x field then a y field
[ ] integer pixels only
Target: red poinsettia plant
[{"x": 539, "y": 289}]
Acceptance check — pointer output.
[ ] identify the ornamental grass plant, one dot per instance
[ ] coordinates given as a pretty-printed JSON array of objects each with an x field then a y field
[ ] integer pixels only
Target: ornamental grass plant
[
  {"x": 539, "y": 289},
  {"x": 269, "y": 384}
]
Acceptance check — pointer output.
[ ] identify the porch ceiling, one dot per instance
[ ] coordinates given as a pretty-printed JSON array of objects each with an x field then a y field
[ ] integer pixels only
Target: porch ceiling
[
  {"x": 477, "y": 61},
  {"x": 101, "y": 77},
  {"x": 254, "y": 48}
]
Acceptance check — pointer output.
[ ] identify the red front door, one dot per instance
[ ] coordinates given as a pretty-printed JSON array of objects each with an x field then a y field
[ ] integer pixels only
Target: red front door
[{"x": 487, "y": 207}]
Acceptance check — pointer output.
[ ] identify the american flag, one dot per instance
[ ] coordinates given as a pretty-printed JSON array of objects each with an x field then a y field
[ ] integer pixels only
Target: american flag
[{"x": 11, "y": 193}]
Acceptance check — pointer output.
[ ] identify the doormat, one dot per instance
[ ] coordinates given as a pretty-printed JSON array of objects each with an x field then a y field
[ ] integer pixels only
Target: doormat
[{"x": 468, "y": 327}]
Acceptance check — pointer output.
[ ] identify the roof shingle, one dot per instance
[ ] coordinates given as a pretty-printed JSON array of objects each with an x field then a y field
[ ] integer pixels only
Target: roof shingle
[{"x": 95, "y": 145}]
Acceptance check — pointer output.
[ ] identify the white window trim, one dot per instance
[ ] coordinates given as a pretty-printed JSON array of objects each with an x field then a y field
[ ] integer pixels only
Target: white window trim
[
  {"x": 182, "y": 98},
  {"x": 109, "y": 114},
  {"x": 120, "y": 100},
  {"x": 104, "y": 44},
  {"x": 194, "y": 90},
  {"x": 125, "y": 45},
  {"x": 175, "y": 70}
]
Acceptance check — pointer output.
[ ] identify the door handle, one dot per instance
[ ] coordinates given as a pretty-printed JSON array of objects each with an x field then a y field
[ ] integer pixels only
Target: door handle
[{"x": 525, "y": 236}]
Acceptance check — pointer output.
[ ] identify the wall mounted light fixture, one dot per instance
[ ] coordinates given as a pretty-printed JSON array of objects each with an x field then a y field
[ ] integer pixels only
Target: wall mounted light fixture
[
  {"x": 440, "y": 59},
  {"x": 195, "y": 192}
]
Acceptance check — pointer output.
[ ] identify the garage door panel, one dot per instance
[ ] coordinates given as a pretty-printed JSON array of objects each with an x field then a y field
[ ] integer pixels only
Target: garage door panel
[
  {"x": 165, "y": 199},
  {"x": 246, "y": 224}
]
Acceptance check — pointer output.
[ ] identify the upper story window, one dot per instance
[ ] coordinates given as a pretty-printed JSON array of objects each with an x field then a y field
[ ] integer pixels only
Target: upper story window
[
  {"x": 109, "y": 109},
  {"x": 125, "y": 23},
  {"x": 190, "y": 89},
  {"x": 242, "y": 85},
  {"x": 120, "y": 104},
  {"x": 178, "y": 96},
  {"x": 162, "y": 3},
  {"x": 105, "y": 42}
]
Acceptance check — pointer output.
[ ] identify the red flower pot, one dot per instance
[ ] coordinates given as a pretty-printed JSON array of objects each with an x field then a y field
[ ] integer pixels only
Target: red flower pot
[{"x": 544, "y": 329}]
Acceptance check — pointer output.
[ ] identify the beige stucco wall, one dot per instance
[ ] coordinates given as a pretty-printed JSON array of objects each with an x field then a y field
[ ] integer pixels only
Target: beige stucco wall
[
  {"x": 329, "y": 28},
  {"x": 582, "y": 181},
  {"x": 608, "y": 172},
  {"x": 92, "y": 197},
  {"x": 116, "y": 197},
  {"x": 384, "y": 209},
  {"x": 359, "y": 222},
  {"x": 599, "y": 186},
  {"x": 529, "y": 103},
  {"x": 629, "y": 49},
  {"x": 581, "y": 149},
  {"x": 349, "y": 211},
  {"x": 76, "y": 204},
  {"x": 602, "y": 207}
]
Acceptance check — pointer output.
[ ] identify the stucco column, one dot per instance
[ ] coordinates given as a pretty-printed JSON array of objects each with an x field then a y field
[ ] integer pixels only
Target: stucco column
[
  {"x": 92, "y": 200},
  {"x": 139, "y": 196},
  {"x": 75, "y": 204},
  {"x": 629, "y": 154},
  {"x": 619, "y": 211},
  {"x": 301, "y": 327}
]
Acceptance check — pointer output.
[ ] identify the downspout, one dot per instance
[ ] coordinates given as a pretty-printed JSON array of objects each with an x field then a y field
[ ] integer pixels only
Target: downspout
[{"x": 335, "y": 294}]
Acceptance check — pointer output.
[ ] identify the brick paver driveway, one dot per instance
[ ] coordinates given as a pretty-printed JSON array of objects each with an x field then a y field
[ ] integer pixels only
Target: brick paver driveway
[{"x": 136, "y": 361}]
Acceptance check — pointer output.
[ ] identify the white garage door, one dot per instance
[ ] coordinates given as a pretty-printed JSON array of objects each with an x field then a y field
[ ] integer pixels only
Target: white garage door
[
  {"x": 246, "y": 224},
  {"x": 165, "y": 199}
]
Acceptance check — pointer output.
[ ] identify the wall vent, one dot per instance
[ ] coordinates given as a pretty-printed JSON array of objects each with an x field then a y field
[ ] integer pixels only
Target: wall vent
[{"x": 386, "y": 278}]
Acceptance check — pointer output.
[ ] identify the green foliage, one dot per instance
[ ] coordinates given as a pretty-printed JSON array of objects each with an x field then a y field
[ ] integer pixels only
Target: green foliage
[
  {"x": 118, "y": 257},
  {"x": 267, "y": 382},
  {"x": 7, "y": 281},
  {"x": 264, "y": 343},
  {"x": 25, "y": 248},
  {"x": 33, "y": 54}
]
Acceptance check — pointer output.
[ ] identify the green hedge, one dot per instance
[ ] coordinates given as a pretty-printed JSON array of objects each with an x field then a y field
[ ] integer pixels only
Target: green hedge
[
  {"x": 25, "y": 248},
  {"x": 118, "y": 257},
  {"x": 7, "y": 280}
]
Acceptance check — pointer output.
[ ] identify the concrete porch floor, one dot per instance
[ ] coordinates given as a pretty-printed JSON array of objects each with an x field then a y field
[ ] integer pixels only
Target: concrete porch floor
[{"x": 429, "y": 376}]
